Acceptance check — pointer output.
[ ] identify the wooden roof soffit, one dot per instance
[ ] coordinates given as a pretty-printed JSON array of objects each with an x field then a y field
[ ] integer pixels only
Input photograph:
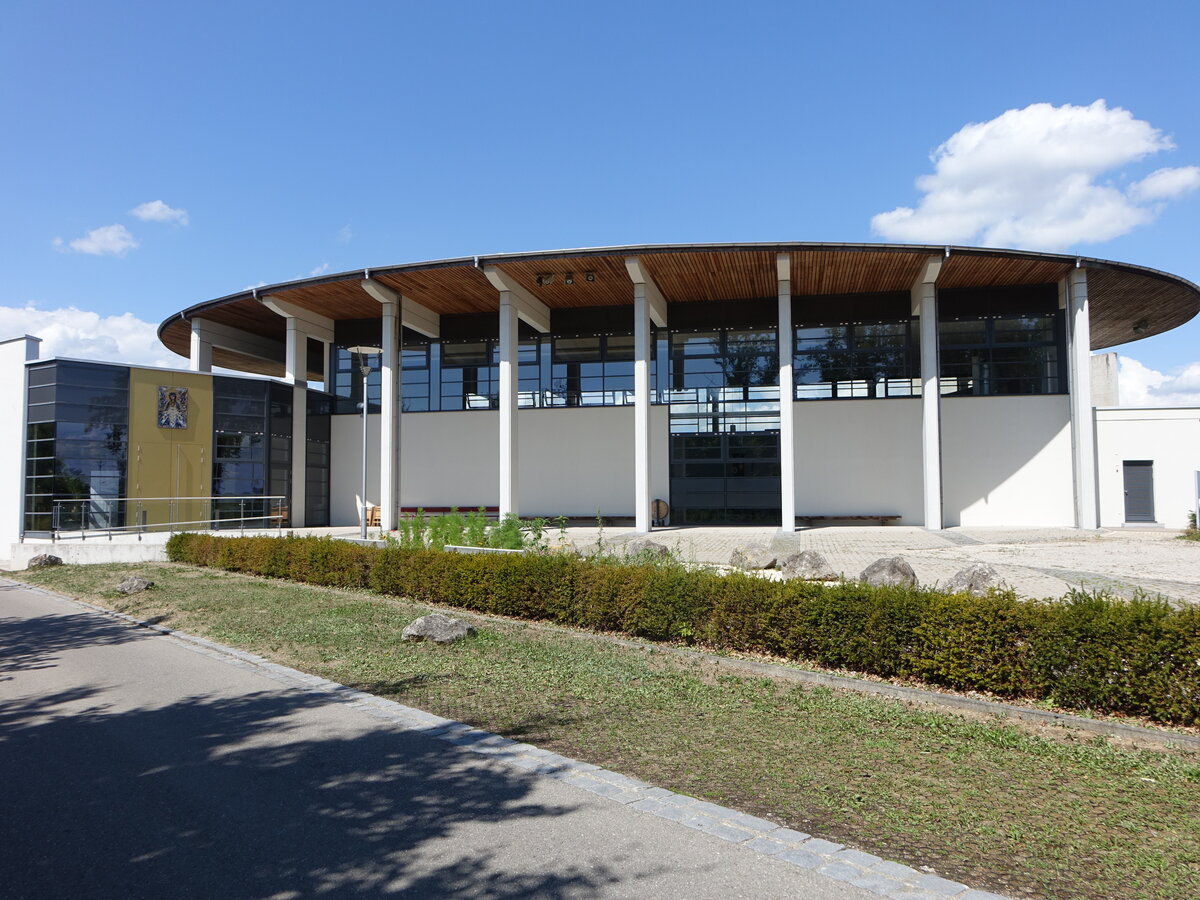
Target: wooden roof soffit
[
  {"x": 530, "y": 309},
  {"x": 644, "y": 287},
  {"x": 312, "y": 324},
  {"x": 413, "y": 315}
]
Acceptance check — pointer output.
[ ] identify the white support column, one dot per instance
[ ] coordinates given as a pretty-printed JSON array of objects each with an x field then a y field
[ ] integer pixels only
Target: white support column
[
  {"x": 398, "y": 312},
  {"x": 641, "y": 409},
  {"x": 1083, "y": 426},
  {"x": 787, "y": 396},
  {"x": 648, "y": 307},
  {"x": 295, "y": 353},
  {"x": 516, "y": 304},
  {"x": 201, "y": 350},
  {"x": 924, "y": 296},
  {"x": 389, "y": 431},
  {"x": 295, "y": 371},
  {"x": 509, "y": 482}
]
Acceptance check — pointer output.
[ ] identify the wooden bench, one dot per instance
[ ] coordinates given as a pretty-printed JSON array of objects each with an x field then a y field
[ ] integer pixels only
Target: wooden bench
[
  {"x": 881, "y": 519},
  {"x": 439, "y": 510}
]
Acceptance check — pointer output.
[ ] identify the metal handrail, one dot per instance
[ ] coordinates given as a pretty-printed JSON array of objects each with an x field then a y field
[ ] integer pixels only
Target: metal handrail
[{"x": 133, "y": 509}]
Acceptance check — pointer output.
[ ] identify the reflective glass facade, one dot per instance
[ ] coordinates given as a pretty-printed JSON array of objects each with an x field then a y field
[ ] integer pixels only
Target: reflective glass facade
[
  {"x": 76, "y": 445},
  {"x": 993, "y": 355},
  {"x": 252, "y": 444}
]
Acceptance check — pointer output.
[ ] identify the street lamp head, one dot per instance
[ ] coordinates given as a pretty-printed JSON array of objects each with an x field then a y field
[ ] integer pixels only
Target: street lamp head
[{"x": 364, "y": 351}]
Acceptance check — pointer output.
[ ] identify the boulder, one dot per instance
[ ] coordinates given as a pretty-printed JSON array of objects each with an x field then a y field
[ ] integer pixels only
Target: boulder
[
  {"x": 437, "y": 628},
  {"x": 808, "y": 565},
  {"x": 647, "y": 547},
  {"x": 753, "y": 558},
  {"x": 976, "y": 580},
  {"x": 891, "y": 570},
  {"x": 134, "y": 585},
  {"x": 43, "y": 560}
]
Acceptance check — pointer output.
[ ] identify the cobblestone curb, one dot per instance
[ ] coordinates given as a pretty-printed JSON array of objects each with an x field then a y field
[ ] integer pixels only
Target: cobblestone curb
[{"x": 865, "y": 870}]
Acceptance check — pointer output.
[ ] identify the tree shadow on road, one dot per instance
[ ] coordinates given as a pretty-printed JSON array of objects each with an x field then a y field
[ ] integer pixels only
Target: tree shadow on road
[
  {"x": 256, "y": 796},
  {"x": 37, "y": 642}
]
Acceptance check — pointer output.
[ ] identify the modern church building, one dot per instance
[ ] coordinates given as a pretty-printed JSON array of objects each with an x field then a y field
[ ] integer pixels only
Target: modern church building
[{"x": 783, "y": 384}]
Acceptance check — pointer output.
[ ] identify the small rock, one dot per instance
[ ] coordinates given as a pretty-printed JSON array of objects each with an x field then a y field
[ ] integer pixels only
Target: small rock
[
  {"x": 808, "y": 565},
  {"x": 891, "y": 570},
  {"x": 43, "y": 560},
  {"x": 134, "y": 585},
  {"x": 753, "y": 558},
  {"x": 647, "y": 547},
  {"x": 437, "y": 628},
  {"x": 976, "y": 580}
]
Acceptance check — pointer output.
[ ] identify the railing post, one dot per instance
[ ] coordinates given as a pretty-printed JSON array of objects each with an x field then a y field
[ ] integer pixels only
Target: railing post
[
  {"x": 170, "y": 517},
  {"x": 54, "y": 521},
  {"x": 242, "y": 515}
]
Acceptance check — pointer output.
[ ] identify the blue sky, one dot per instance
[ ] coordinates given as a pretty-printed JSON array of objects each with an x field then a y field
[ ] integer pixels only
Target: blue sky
[{"x": 304, "y": 137}]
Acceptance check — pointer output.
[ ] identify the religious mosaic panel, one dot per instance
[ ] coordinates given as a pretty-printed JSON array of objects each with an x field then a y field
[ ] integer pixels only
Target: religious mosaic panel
[{"x": 172, "y": 407}]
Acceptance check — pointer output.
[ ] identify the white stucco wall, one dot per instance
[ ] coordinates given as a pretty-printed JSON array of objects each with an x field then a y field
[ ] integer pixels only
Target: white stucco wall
[
  {"x": 14, "y": 353},
  {"x": 573, "y": 462},
  {"x": 859, "y": 457},
  {"x": 1169, "y": 437},
  {"x": 1007, "y": 461}
]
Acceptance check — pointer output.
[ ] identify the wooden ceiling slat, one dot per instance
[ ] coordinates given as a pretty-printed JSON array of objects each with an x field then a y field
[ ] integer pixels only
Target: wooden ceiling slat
[
  {"x": 611, "y": 286},
  {"x": 816, "y": 272},
  {"x": 1120, "y": 297},
  {"x": 447, "y": 291},
  {"x": 965, "y": 271},
  {"x": 713, "y": 275}
]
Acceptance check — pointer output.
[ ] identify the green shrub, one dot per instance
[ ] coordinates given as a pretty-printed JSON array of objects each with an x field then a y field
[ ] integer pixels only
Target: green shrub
[
  {"x": 507, "y": 534},
  {"x": 1086, "y": 651}
]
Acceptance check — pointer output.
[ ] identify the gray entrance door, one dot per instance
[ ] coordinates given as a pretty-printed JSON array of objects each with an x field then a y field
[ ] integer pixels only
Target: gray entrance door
[
  {"x": 1139, "y": 490},
  {"x": 725, "y": 479}
]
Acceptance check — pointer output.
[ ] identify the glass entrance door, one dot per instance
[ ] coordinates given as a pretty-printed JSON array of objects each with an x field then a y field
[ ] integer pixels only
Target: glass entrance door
[{"x": 724, "y": 400}]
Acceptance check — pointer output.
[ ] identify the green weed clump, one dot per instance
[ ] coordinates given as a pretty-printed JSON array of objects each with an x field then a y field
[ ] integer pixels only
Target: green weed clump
[
  {"x": 1086, "y": 651},
  {"x": 470, "y": 530},
  {"x": 1192, "y": 532}
]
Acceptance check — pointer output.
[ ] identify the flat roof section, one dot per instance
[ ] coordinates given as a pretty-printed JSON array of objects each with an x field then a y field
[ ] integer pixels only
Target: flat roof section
[{"x": 1126, "y": 302}]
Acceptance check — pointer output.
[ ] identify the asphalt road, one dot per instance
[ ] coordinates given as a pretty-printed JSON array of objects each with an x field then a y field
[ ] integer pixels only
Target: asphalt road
[{"x": 133, "y": 766}]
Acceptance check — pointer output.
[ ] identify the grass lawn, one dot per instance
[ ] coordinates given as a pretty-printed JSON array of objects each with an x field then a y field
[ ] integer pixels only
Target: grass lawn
[{"x": 986, "y": 803}]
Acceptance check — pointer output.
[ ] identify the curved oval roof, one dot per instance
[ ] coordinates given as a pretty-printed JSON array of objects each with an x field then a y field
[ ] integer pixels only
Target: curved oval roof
[{"x": 1120, "y": 295}]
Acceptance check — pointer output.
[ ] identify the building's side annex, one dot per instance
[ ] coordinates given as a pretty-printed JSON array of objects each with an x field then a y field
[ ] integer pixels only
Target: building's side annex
[{"x": 937, "y": 386}]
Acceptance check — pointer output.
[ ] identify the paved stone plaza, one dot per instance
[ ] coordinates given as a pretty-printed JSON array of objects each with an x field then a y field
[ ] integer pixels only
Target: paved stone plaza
[{"x": 1037, "y": 562}]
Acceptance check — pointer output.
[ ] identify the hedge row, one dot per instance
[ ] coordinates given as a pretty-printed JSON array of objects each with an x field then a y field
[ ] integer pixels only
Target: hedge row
[{"x": 1088, "y": 652}]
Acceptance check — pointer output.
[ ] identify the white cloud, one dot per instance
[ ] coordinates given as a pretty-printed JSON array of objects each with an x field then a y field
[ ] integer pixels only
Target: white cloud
[
  {"x": 1166, "y": 184},
  {"x": 1029, "y": 178},
  {"x": 157, "y": 211},
  {"x": 81, "y": 334},
  {"x": 108, "y": 240},
  {"x": 344, "y": 234},
  {"x": 319, "y": 270},
  {"x": 1139, "y": 385}
]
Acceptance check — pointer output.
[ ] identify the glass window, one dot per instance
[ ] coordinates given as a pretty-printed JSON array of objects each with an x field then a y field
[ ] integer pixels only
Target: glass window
[
  {"x": 856, "y": 360},
  {"x": 1000, "y": 355}
]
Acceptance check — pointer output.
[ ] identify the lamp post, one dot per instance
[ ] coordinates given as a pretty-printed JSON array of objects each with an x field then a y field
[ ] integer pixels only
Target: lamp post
[{"x": 364, "y": 366}]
